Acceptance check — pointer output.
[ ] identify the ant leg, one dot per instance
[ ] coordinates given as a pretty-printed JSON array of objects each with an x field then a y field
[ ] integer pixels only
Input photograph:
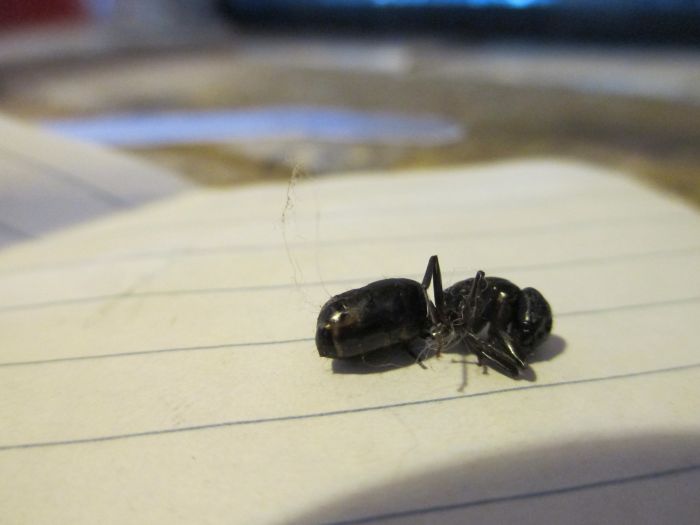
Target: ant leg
[
  {"x": 472, "y": 298},
  {"x": 476, "y": 283},
  {"x": 437, "y": 311},
  {"x": 418, "y": 357},
  {"x": 432, "y": 273},
  {"x": 502, "y": 365},
  {"x": 493, "y": 356},
  {"x": 511, "y": 347},
  {"x": 480, "y": 363},
  {"x": 498, "y": 332}
]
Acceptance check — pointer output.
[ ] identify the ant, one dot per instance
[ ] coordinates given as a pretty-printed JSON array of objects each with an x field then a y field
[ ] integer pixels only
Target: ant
[{"x": 500, "y": 323}]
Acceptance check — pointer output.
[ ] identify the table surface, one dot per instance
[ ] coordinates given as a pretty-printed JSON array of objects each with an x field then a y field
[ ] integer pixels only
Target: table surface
[{"x": 637, "y": 110}]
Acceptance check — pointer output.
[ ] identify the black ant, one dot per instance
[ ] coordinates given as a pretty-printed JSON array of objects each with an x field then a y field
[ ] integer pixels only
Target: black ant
[{"x": 500, "y": 323}]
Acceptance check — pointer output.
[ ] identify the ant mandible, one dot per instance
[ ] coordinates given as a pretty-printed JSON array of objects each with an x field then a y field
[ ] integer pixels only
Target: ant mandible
[{"x": 500, "y": 323}]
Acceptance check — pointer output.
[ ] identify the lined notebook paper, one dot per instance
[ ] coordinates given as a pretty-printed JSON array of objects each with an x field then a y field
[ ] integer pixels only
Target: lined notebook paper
[
  {"x": 47, "y": 182},
  {"x": 158, "y": 366}
]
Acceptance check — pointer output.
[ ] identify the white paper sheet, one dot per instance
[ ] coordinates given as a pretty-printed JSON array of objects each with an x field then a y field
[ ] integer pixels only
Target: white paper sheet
[
  {"x": 158, "y": 366},
  {"x": 47, "y": 182}
]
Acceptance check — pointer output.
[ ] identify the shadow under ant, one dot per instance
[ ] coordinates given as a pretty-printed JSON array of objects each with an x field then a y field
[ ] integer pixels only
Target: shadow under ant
[{"x": 400, "y": 356}]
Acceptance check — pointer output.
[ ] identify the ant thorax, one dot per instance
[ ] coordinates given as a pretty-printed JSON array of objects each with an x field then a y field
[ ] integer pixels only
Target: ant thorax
[{"x": 443, "y": 336}]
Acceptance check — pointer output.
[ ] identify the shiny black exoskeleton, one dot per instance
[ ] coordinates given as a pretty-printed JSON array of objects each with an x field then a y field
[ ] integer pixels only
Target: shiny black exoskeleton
[
  {"x": 500, "y": 323},
  {"x": 497, "y": 321}
]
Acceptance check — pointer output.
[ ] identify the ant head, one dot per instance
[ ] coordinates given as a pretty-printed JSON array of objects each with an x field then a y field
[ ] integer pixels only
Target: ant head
[{"x": 531, "y": 333}]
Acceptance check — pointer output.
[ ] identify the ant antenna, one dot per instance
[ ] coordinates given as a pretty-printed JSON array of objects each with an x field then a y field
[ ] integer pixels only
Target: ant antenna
[
  {"x": 288, "y": 220},
  {"x": 316, "y": 245},
  {"x": 297, "y": 273}
]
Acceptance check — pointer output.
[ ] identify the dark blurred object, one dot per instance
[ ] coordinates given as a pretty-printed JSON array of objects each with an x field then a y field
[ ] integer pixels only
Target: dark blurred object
[
  {"x": 25, "y": 12},
  {"x": 673, "y": 21},
  {"x": 39, "y": 32}
]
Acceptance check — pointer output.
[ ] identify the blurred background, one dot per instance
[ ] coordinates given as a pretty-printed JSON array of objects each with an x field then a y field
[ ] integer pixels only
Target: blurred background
[{"x": 236, "y": 91}]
